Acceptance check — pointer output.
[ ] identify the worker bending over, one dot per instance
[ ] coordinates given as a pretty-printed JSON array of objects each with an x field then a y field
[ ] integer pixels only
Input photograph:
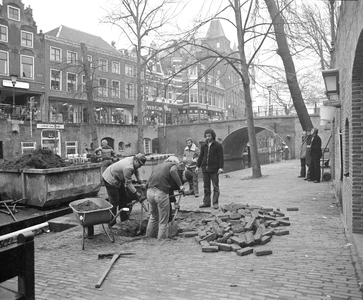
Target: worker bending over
[{"x": 118, "y": 183}]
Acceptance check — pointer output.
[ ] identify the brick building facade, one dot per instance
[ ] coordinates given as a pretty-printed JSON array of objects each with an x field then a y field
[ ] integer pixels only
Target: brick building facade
[{"x": 348, "y": 123}]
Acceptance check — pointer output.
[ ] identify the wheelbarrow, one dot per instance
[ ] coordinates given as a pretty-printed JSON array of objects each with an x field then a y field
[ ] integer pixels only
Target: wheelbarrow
[{"x": 102, "y": 215}]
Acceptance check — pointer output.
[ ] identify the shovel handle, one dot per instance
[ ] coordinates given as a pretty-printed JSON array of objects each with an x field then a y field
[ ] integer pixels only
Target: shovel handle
[{"x": 102, "y": 278}]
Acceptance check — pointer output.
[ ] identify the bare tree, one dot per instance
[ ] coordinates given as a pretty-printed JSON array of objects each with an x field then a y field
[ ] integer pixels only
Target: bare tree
[
  {"x": 284, "y": 52},
  {"x": 139, "y": 21}
]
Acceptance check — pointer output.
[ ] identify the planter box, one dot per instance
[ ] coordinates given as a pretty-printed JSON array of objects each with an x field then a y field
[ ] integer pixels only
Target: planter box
[{"x": 51, "y": 187}]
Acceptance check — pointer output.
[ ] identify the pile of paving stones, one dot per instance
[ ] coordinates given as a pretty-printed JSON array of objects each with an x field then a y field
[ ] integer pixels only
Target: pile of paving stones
[{"x": 239, "y": 228}]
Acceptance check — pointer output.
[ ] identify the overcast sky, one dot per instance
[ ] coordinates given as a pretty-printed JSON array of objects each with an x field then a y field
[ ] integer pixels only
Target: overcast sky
[{"x": 85, "y": 15}]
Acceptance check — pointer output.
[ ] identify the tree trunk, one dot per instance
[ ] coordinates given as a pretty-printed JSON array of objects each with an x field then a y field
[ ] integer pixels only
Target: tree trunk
[
  {"x": 284, "y": 52},
  {"x": 256, "y": 167},
  {"x": 89, "y": 93}
]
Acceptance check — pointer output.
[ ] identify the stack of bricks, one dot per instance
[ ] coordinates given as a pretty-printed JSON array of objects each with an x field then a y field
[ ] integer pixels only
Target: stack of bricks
[{"x": 239, "y": 228}]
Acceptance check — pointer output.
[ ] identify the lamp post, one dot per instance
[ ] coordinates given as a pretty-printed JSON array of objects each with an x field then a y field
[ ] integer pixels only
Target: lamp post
[
  {"x": 13, "y": 81},
  {"x": 331, "y": 80},
  {"x": 269, "y": 88}
]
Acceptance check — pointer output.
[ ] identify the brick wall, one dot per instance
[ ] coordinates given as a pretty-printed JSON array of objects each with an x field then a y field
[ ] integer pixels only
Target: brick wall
[{"x": 348, "y": 58}]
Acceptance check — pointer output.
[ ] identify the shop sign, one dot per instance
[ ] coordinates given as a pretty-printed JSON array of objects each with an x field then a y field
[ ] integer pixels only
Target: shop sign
[{"x": 50, "y": 126}]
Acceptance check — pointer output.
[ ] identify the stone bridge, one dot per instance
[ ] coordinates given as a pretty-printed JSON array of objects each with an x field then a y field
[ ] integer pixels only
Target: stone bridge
[{"x": 270, "y": 132}]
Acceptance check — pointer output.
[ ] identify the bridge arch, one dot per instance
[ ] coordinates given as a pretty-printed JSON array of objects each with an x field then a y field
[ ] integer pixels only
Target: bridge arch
[{"x": 236, "y": 148}]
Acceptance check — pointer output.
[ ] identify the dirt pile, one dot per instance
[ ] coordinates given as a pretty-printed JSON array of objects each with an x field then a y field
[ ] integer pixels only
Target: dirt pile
[
  {"x": 38, "y": 159},
  {"x": 86, "y": 206}
]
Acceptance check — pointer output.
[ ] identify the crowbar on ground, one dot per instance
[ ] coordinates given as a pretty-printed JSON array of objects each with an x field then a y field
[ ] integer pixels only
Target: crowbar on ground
[{"x": 114, "y": 258}]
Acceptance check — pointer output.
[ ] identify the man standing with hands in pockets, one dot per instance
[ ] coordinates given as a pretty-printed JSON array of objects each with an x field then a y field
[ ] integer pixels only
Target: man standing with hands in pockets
[{"x": 211, "y": 161}]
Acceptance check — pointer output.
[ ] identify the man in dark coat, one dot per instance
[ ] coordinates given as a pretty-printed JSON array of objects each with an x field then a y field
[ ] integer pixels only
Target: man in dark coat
[
  {"x": 315, "y": 153},
  {"x": 211, "y": 161}
]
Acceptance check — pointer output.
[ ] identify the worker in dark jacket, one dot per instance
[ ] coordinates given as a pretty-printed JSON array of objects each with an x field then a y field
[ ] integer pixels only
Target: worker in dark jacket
[
  {"x": 211, "y": 161},
  {"x": 315, "y": 153},
  {"x": 160, "y": 182}
]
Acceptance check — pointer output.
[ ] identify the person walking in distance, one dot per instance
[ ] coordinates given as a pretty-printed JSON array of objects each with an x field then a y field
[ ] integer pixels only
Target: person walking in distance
[
  {"x": 303, "y": 155},
  {"x": 315, "y": 153},
  {"x": 106, "y": 153},
  {"x": 211, "y": 161},
  {"x": 190, "y": 158}
]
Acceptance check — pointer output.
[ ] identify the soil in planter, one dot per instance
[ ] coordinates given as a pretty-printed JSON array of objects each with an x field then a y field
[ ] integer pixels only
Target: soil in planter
[
  {"x": 38, "y": 159},
  {"x": 86, "y": 206}
]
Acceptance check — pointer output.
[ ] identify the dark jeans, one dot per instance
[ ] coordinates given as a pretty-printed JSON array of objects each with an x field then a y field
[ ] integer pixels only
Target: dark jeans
[
  {"x": 119, "y": 198},
  {"x": 209, "y": 177},
  {"x": 303, "y": 167},
  {"x": 315, "y": 171}
]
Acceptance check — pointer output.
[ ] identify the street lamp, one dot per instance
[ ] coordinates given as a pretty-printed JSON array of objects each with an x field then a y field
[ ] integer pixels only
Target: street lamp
[
  {"x": 269, "y": 88},
  {"x": 331, "y": 80},
  {"x": 13, "y": 81}
]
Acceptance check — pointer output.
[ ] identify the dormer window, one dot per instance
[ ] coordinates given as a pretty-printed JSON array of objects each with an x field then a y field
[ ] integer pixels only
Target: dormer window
[
  {"x": 218, "y": 45},
  {"x": 13, "y": 13},
  {"x": 27, "y": 39}
]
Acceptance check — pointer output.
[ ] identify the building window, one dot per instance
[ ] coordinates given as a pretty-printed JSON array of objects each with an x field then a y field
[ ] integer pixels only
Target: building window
[
  {"x": 3, "y": 33},
  {"x": 129, "y": 70},
  {"x": 103, "y": 65},
  {"x": 71, "y": 57},
  {"x": 129, "y": 91},
  {"x": 4, "y": 62},
  {"x": 71, "y": 148},
  {"x": 115, "y": 89},
  {"x": 27, "y": 39},
  {"x": 147, "y": 146},
  {"x": 55, "y": 80},
  {"x": 83, "y": 83},
  {"x": 71, "y": 82},
  {"x": 121, "y": 146},
  {"x": 115, "y": 67},
  {"x": 55, "y": 54},
  {"x": 13, "y": 13},
  {"x": 27, "y": 66},
  {"x": 103, "y": 87},
  {"x": 28, "y": 147}
]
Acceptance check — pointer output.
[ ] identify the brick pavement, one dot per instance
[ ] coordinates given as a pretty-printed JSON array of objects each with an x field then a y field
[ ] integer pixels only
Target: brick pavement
[{"x": 315, "y": 261}]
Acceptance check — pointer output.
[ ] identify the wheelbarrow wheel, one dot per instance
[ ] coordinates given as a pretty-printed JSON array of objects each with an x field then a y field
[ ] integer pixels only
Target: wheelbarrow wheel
[{"x": 109, "y": 233}]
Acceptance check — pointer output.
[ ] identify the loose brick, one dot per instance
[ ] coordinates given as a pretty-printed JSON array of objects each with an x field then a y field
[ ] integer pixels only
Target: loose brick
[
  {"x": 235, "y": 247},
  {"x": 281, "y": 232},
  {"x": 218, "y": 230},
  {"x": 270, "y": 232},
  {"x": 250, "y": 224},
  {"x": 284, "y": 218},
  {"x": 202, "y": 234},
  {"x": 238, "y": 228},
  {"x": 204, "y": 243},
  {"x": 235, "y": 216},
  {"x": 190, "y": 234},
  {"x": 250, "y": 240},
  {"x": 259, "y": 252},
  {"x": 239, "y": 241},
  {"x": 235, "y": 222},
  {"x": 245, "y": 251},
  {"x": 292, "y": 209},
  {"x": 210, "y": 237},
  {"x": 265, "y": 240},
  {"x": 225, "y": 237},
  {"x": 224, "y": 247},
  {"x": 210, "y": 249},
  {"x": 198, "y": 239},
  {"x": 284, "y": 223},
  {"x": 268, "y": 217},
  {"x": 274, "y": 224},
  {"x": 278, "y": 213}
]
